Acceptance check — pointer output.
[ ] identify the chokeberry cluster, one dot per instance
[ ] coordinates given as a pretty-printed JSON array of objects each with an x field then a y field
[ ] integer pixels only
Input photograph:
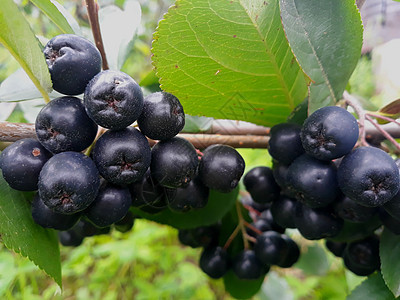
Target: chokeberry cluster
[
  {"x": 119, "y": 168},
  {"x": 319, "y": 184},
  {"x": 269, "y": 247}
]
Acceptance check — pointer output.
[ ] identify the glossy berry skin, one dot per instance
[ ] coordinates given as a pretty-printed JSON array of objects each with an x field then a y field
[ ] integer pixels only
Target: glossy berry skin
[
  {"x": 221, "y": 168},
  {"x": 279, "y": 172},
  {"x": 111, "y": 205},
  {"x": 261, "y": 185},
  {"x": 73, "y": 61},
  {"x": 21, "y": 163},
  {"x": 174, "y": 162},
  {"x": 204, "y": 236},
  {"x": 351, "y": 211},
  {"x": 193, "y": 196},
  {"x": 122, "y": 157},
  {"x": 68, "y": 182},
  {"x": 214, "y": 261},
  {"x": 85, "y": 228},
  {"x": 283, "y": 211},
  {"x": 126, "y": 223},
  {"x": 63, "y": 125},
  {"x": 312, "y": 181},
  {"x": 150, "y": 195},
  {"x": 393, "y": 206},
  {"x": 246, "y": 265},
  {"x": 285, "y": 144},
  {"x": 248, "y": 201},
  {"x": 330, "y": 132},
  {"x": 337, "y": 248},
  {"x": 293, "y": 253},
  {"x": 369, "y": 176},
  {"x": 267, "y": 216},
  {"x": 47, "y": 218},
  {"x": 260, "y": 224},
  {"x": 392, "y": 224},
  {"x": 113, "y": 99},
  {"x": 70, "y": 238},
  {"x": 317, "y": 223},
  {"x": 362, "y": 257},
  {"x": 270, "y": 248},
  {"x": 162, "y": 117}
]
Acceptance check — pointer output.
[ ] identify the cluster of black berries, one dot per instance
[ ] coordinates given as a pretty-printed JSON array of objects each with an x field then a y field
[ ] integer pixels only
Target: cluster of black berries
[
  {"x": 318, "y": 184},
  {"x": 122, "y": 170},
  {"x": 269, "y": 247}
]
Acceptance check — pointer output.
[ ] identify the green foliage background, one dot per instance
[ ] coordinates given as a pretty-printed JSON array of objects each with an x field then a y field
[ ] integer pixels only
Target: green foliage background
[{"x": 149, "y": 262}]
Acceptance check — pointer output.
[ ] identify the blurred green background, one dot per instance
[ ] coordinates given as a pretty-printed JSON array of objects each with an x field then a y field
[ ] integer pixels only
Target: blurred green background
[{"x": 149, "y": 262}]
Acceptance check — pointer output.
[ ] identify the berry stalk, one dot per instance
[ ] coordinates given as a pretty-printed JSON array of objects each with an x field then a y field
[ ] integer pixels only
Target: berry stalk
[{"x": 93, "y": 10}]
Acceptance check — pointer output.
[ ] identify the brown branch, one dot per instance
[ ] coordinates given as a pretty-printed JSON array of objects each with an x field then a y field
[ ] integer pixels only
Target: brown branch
[
  {"x": 353, "y": 102},
  {"x": 11, "y": 132},
  {"x": 384, "y": 133},
  {"x": 93, "y": 14},
  {"x": 231, "y": 127}
]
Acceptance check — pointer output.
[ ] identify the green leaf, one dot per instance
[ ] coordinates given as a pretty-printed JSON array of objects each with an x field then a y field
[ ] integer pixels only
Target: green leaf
[
  {"x": 49, "y": 8},
  {"x": 275, "y": 287},
  {"x": 392, "y": 110},
  {"x": 228, "y": 60},
  {"x": 118, "y": 27},
  {"x": 326, "y": 38},
  {"x": 240, "y": 288},
  {"x": 197, "y": 124},
  {"x": 313, "y": 261},
  {"x": 372, "y": 288},
  {"x": 18, "y": 38},
  {"x": 390, "y": 264},
  {"x": 20, "y": 233},
  {"x": 218, "y": 205}
]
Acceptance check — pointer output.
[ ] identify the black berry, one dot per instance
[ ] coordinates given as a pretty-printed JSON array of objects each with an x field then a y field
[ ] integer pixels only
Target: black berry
[
  {"x": 68, "y": 182},
  {"x": 113, "y": 99},
  {"x": 73, "y": 61},
  {"x": 330, "y": 132},
  {"x": 122, "y": 156},
  {"x": 214, "y": 261},
  {"x": 174, "y": 162},
  {"x": 312, "y": 181},
  {"x": 162, "y": 117},
  {"x": 281, "y": 136},
  {"x": 246, "y": 265},
  {"x": 369, "y": 176},
  {"x": 111, "y": 205},
  {"x": 63, "y": 125},
  {"x": 317, "y": 223},
  {"x": 21, "y": 163},
  {"x": 261, "y": 185},
  {"x": 193, "y": 196},
  {"x": 221, "y": 168},
  {"x": 47, "y": 218}
]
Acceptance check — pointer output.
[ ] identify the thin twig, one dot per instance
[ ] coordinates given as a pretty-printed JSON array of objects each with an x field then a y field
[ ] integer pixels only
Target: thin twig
[
  {"x": 250, "y": 238},
  {"x": 93, "y": 14},
  {"x": 242, "y": 227},
  {"x": 251, "y": 227},
  {"x": 232, "y": 237},
  {"x": 384, "y": 133},
  {"x": 383, "y": 118},
  {"x": 353, "y": 102}
]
